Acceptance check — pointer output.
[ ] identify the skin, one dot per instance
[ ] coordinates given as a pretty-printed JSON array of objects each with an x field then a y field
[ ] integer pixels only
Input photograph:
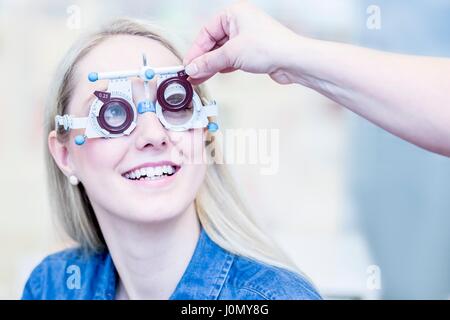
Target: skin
[
  {"x": 406, "y": 95},
  {"x": 151, "y": 232}
]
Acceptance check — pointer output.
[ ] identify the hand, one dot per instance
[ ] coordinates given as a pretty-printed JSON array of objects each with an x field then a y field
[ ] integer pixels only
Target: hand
[{"x": 241, "y": 37}]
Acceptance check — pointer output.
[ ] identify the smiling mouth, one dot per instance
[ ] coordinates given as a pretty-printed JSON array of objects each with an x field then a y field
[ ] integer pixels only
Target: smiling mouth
[{"x": 151, "y": 173}]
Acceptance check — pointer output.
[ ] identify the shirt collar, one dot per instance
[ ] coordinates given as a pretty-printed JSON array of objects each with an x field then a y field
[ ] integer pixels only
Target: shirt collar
[
  {"x": 206, "y": 273},
  {"x": 106, "y": 278},
  {"x": 203, "y": 279}
]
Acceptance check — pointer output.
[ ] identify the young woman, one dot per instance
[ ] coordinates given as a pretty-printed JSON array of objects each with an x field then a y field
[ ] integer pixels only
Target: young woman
[{"x": 183, "y": 234}]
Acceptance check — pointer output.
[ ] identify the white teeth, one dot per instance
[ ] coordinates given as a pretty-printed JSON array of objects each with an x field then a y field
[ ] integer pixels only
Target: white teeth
[
  {"x": 150, "y": 173},
  {"x": 168, "y": 169}
]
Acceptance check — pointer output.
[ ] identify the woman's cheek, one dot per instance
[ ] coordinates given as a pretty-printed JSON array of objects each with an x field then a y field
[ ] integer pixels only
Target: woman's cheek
[
  {"x": 100, "y": 156},
  {"x": 191, "y": 143}
]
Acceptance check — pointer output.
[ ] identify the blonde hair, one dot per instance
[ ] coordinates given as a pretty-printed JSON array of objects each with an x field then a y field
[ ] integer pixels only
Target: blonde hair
[{"x": 221, "y": 212}]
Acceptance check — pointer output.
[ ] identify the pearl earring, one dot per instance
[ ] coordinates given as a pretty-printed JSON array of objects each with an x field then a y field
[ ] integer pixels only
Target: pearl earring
[{"x": 73, "y": 180}]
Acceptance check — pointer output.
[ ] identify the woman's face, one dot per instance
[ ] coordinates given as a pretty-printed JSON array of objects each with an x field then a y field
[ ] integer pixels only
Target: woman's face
[{"x": 100, "y": 164}]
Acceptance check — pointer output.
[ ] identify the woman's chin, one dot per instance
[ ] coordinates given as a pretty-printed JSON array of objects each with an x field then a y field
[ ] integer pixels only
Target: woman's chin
[{"x": 146, "y": 216}]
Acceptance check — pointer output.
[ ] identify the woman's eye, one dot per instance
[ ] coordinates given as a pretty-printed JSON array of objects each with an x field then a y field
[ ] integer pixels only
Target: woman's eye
[
  {"x": 179, "y": 111},
  {"x": 175, "y": 99},
  {"x": 115, "y": 115}
]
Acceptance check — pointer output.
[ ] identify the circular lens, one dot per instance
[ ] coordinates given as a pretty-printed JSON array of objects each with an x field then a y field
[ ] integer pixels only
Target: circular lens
[
  {"x": 174, "y": 94},
  {"x": 115, "y": 114}
]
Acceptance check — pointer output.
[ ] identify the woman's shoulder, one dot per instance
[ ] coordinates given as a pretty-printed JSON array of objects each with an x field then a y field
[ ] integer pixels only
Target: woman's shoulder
[
  {"x": 66, "y": 274},
  {"x": 251, "y": 279}
]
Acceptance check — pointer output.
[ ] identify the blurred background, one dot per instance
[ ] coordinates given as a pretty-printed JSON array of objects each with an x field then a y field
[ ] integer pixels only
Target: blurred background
[{"x": 364, "y": 214}]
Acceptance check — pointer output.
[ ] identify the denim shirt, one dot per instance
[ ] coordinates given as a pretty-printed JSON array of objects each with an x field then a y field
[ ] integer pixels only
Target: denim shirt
[{"x": 213, "y": 273}]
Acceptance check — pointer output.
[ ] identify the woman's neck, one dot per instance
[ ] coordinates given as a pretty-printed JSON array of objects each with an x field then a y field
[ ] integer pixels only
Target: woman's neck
[{"x": 150, "y": 258}]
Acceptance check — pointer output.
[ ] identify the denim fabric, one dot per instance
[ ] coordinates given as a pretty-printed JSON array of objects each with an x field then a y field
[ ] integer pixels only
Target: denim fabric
[{"x": 212, "y": 273}]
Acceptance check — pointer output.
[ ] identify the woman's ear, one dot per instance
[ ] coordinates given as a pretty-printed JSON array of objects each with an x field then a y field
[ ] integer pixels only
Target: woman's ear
[{"x": 60, "y": 154}]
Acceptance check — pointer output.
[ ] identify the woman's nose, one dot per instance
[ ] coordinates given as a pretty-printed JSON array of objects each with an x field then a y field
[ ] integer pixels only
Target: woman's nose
[{"x": 150, "y": 132}]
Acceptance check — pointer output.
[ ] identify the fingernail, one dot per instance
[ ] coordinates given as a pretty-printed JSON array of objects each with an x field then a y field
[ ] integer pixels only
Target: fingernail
[{"x": 191, "y": 69}]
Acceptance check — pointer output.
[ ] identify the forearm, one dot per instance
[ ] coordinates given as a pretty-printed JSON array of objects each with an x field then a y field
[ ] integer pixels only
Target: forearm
[{"x": 406, "y": 95}]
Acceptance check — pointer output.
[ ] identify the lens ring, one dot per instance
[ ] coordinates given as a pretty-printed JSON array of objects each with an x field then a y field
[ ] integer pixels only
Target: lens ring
[
  {"x": 128, "y": 120},
  {"x": 182, "y": 81}
]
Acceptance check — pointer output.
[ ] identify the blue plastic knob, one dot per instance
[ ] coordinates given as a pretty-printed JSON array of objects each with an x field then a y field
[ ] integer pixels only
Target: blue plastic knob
[
  {"x": 79, "y": 140},
  {"x": 213, "y": 127},
  {"x": 93, "y": 76},
  {"x": 149, "y": 74}
]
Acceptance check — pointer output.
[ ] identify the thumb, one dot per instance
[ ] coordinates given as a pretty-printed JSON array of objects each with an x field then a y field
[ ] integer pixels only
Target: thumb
[{"x": 208, "y": 64}]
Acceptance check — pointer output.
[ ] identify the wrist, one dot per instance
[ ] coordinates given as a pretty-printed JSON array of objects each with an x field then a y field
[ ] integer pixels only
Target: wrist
[
  {"x": 302, "y": 59},
  {"x": 293, "y": 59}
]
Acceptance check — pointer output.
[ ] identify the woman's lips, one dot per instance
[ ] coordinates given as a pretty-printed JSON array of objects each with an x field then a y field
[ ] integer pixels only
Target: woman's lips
[
  {"x": 152, "y": 165},
  {"x": 157, "y": 182}
]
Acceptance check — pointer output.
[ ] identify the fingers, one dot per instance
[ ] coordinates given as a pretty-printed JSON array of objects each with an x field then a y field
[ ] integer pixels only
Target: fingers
[
  {"x": 210, "y": 63},
  {"x": 228, "y": 70},
  {"x": 196, "y": 81},
  {"x": 214, "y": 33}
]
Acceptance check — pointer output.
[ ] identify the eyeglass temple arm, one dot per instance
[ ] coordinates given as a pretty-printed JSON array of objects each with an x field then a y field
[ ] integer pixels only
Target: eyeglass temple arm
[{"x": 70, "y": 122}]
